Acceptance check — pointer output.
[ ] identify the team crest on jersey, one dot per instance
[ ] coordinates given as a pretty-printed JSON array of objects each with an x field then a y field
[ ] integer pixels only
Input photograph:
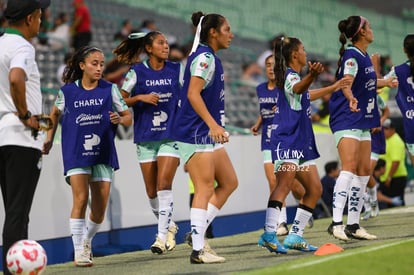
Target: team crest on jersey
[
  {"x": 203, "y": 65},
  {"x": 350, "y": 63}
]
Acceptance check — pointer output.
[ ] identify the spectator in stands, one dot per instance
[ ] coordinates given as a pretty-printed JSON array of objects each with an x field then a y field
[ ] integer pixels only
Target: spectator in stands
[
  {"x": 405, "y": 75},
  {"x": 20, "y": 95},
  {"x": 151, "y": 88},
  {"x": 385, "y": 201},
  {"x": 87, "y": 170},
  {"x": 353, "y": 114},
  {"x": 61, "y": 68},
  {"x": 81, "y": 26},
  {"x": 177, "y": 53},
  {"x": 394, "y": 180},
  {"x": 115, "y": 72},
  {"x": 328, "y": 183},
  {"x": 252, "y": 74},
  {"x": 199, "y": 129},
  {"x": 45, "y": 27},
  {"x": 271, "y": 45},
  {"x": 126, "y": 29},
  {"x": 59, "y": 35},
  {"x": 293, "y": 142},
  {"x": 148, "y": 25}
]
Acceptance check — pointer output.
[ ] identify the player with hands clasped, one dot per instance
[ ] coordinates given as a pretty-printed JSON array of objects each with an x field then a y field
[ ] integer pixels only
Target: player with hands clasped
[
  {"x": 199, "y": 127},
  {"x": 91, "y": 109}
]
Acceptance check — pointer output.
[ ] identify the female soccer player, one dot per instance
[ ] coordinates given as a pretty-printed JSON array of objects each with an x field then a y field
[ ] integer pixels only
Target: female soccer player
[
  {"x": 405, "y": 95},
  {"x": 90, "y": 108},
  {"x": 353, "y": 113},
  {"x": 293, "y": 143},
  {"x": 151, "y": 88},
  {"x": 199, "y": 126}
]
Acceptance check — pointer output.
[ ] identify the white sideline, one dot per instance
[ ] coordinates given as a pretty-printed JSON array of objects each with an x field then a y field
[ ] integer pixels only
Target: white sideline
[{"x": 343, "y": 255}]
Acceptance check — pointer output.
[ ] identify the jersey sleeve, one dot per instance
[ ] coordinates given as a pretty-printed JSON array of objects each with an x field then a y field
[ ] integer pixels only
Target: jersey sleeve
[
  {"x": 60, "y": 101},
  {"x": 118, "y": 104},
  {"x": 293, "y": 98},
  {"x": 130, "y": 81},
  {"x": 351, "y": 67},
  {"x": 203, "y": 66}
]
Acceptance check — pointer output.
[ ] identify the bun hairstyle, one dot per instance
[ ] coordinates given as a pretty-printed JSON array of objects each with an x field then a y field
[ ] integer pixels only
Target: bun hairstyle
[
  {"x": 409, "y": 50},
  {"x": 349, "y": 29},
  {"x": 211, "y": 20}
]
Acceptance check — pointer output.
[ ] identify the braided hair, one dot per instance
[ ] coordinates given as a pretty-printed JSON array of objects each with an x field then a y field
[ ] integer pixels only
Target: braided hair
[{"x": 349, "y": 29}]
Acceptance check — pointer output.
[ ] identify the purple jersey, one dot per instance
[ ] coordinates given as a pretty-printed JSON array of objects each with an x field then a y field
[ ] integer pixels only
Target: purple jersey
[
  {"x": 267, "y": 103},
  {"x": 154, "y": 122},
  {"x": 292, "y": 136},
  {"x": 188, "y": 125},
  {"x": 87, "y": 132},
  {"x": 363, "y": 89},
  {"x": 405, "y": 99}
]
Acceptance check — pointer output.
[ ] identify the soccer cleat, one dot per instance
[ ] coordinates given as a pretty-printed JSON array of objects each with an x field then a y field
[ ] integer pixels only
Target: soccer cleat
[
  {"x": 204, "y": 257},
  {"x": 299, "y": 243},
  {"x": 338, "y": 231},
  {"x": 83, "y": 257},
  {"x": 310, "y": 222},
  {"x": 282, "y": 229},
  {"x": 170, "y": 243},
  {"x": 269, "y": 240},
  {"x": 367, "y": 206},
  {"x": 366, "y": 215},
  {"x": 207, "y": 248},
  {"x": 375, "y": 208},
  {"x": 188, "y": 239},
  {"x": 360, "y": 233},
  {"x": 158, "y": 247}
]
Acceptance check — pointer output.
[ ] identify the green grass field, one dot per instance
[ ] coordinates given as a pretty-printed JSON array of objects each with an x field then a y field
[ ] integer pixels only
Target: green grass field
[{"x": 392, "y": 253}]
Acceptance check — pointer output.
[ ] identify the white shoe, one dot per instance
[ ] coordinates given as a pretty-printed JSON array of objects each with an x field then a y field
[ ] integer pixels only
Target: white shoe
[
  {"x": 338, "y": 231},
  {"x": 204, "y": 257},
  {"x": 282, "y": 229},
  {"x": 158, "y": 247},
  {"x": 361, "y": 234},
  {"x": 170, "y": 243},
  {"x": 83, "y": 257},
  {"x": 375, "y": 208},
  {"x": 207, "y": 248}
]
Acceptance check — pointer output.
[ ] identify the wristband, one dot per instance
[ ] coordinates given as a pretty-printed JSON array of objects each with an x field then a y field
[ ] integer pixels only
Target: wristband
[{"x": 26, "y": 116}]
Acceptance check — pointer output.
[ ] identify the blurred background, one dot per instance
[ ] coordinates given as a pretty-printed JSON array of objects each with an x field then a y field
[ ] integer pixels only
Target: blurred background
[{"x": 254, "y": 23}]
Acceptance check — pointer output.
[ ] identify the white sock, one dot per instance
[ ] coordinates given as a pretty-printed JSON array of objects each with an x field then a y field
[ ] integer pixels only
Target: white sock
[
  {"x": 198, "y": 227},
  {"x": 91, "y": 229},
  {"x": 340, "y": 195},
  {"x": 272, "y": 216},
  {"x": 212, "y": 212},
  {"x": 165, "y": 200},
  {"x": 301, "y": 220},
  {"x": 154, "y": 206},
  {"x": 77, "y": 229},
  {"x": 372, "y": 192},
  {"x": 283, "y": 216},
  {"x": 356, "y": 198}
]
